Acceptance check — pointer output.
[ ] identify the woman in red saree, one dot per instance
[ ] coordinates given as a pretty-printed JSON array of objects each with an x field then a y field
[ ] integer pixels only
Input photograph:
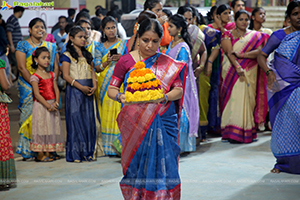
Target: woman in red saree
[
  {"x": 150, "y": 131},
  {"x": 243, "y": 97}
]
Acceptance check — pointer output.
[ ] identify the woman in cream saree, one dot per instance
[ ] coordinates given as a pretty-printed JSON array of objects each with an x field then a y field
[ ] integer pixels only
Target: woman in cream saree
[{"x": 243, "y": 96}]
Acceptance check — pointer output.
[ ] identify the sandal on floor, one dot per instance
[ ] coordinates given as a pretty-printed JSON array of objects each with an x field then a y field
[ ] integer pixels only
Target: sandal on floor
[
  {"x": 46, "y": 159},
  {"x": 55, "y": 156}
]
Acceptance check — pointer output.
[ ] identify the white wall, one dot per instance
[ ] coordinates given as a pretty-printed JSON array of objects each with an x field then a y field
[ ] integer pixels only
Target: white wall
[{"x": 50, "y": 17}]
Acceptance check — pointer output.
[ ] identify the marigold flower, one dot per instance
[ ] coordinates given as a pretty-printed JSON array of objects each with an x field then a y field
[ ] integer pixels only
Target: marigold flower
[{"x": 139, "y": 65}]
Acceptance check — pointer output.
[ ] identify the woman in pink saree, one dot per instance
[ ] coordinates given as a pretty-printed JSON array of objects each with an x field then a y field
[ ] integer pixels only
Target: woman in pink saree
[
  {"x": 243, "y": 97},
  {"x": 150, "y": 131},
  {"x": 222, "y": 19}
]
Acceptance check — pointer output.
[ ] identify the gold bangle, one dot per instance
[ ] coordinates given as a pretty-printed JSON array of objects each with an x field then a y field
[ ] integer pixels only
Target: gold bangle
[{"x": 238, "y": 67}]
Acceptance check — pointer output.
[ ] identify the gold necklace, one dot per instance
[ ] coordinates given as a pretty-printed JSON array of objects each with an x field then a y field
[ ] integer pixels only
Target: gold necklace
[
  {"x": 174, "y": 43},
  {"x": 239, "y": 33},
  {"x": 34, "y": 43}
]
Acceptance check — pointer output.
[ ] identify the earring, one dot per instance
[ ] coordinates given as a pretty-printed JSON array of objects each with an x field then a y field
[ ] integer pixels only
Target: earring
[
  {"x": 138, "y": 43},
  {"x": 179, "y": 34}
]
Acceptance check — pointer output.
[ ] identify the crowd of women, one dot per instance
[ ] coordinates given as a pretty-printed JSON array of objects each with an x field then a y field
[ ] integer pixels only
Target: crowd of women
[{"x": 217, "y": 78}]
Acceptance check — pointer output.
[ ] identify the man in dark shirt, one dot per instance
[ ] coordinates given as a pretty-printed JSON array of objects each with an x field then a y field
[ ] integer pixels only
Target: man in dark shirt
[
  {"x": 71, "y": 15},
  {"x": 14, "y": 34},
  {"x": 60, "y": 34}
]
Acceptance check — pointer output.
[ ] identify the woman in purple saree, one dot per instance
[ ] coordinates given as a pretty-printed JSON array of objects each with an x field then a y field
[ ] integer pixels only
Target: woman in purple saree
[
  {"x": 284, "y": 92},
  {"x": 149, "y": 131},
  {"x": 179, "y": 49}
]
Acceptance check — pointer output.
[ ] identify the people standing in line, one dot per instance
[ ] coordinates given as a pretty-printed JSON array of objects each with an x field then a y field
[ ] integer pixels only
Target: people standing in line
[
  {"x": 156, "y": 7},
  {"x": 209, "y": 78},
  {"x": 82, "y": 118},
  {"x": 237, "y": 5},
  {"x": 71, "y": 15},
  {"x": 8, "y": 177},
  {"x": 60, "y": 34},
  {"x": 154, "y": 154},
  {"x": 4, "y": 44},
  {"x": 198, "y": 51},
  {"x": 47, "y": 137},
  {"x": 179, "y": 49},
  {"x": 212, "y": 14},
  {"x": 284, "y": 92},
  {"x": 258, "y": 17},
  {"x": 24, "y": 52},
  {"x": 222, "y": 19},
  {"x": 93, "y": 47},
  {"x": 117, "y": 15},
  {"x": 93, "y": 34},
  {"x": 243, "y": 93},
  {"x": 287, "y": 21},
  {"x": 48, "y": 37},
  {"x": 14, "y": 34},
  {"x": 111, "y": 49},
  {"x": 101, "y": 13}
]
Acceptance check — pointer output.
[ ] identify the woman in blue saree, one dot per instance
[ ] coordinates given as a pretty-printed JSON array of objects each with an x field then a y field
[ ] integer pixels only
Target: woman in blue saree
[
  {"x": 284, "y": 92},
  {"x": 179, "y": 49},
  {"x": 150, "y": 131},
  {"x": 24, "y": 51},
  {"x": 108, "y": 108},
  {"x": 81, "y": 111}
]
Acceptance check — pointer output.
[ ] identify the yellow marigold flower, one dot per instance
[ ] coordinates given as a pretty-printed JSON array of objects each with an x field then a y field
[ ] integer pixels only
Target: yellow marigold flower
[
  {"x": 141, "y": 79},
  {"x": 148, "y": 77},
  {"x": 129, "y": 80}
]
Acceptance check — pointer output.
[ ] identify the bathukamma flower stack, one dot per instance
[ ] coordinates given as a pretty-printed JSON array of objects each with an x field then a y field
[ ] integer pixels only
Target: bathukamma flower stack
[{"x": 142, "y": 85}]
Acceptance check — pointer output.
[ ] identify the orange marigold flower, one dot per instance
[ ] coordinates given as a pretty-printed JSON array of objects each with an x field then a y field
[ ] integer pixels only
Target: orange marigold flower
[{"x": 139, "y": 65}]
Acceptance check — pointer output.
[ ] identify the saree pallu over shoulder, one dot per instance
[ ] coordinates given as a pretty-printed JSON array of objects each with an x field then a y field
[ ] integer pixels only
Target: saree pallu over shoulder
[
  {"x": 249, "y": 42},
  {"x": 284, "y": 105},
  {"x": 190, "y": 100},
  {"x": 149, "y": 133},
  {"x": 134, "y": 120},
  {"x": 209, "y": 86},
  {"x": 108, "y": 108},
  {"x": 197, "y": 39},
  {"x": 26, "y": 48},
  {"x": 286, "y": 68}
]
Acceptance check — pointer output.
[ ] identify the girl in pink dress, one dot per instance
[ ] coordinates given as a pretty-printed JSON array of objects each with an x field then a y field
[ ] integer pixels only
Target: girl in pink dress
[{"x": 47, "y": 137}]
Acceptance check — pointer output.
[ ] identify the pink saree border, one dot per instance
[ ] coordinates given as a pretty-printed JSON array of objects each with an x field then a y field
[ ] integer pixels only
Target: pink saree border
[{"x": 231, "y": 77}]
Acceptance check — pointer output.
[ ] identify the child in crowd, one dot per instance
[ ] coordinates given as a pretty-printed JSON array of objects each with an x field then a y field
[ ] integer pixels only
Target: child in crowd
[
  {"x": 47, "y": 137},
  {"x": 82, "y": 118}
]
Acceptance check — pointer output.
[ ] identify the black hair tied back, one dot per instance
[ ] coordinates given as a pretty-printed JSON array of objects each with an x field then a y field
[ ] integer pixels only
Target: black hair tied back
[
  {"x": 179, "y": 21},
  {"x": 71, "y": 49},
  {"x": 35, "y": 54}
]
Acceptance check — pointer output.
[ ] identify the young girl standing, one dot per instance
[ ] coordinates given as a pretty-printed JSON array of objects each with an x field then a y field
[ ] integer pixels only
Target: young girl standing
[
  {"x": 47, "y": 137},
  {"x": 82, "y": 118}
]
